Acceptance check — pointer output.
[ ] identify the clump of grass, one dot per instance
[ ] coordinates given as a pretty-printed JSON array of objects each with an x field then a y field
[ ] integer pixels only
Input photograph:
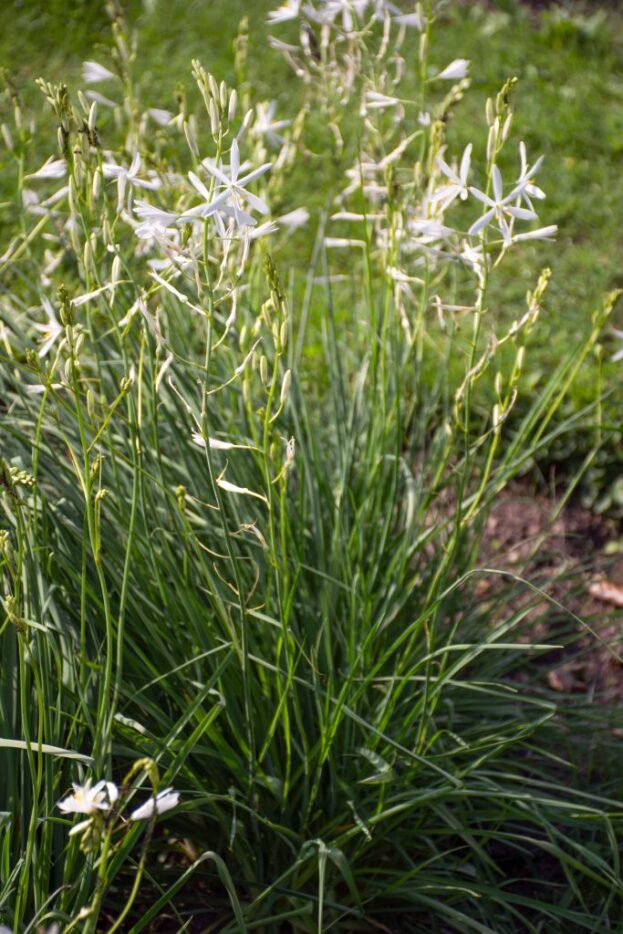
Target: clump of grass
[{"x": 240, "y": 552}]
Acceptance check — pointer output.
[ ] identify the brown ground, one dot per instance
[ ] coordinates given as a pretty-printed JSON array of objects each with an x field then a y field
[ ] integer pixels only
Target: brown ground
[{"x": 576, "y": 558}]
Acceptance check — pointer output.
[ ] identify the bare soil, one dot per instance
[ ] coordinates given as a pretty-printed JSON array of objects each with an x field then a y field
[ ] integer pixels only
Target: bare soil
[{"x": 576, "y": 558}]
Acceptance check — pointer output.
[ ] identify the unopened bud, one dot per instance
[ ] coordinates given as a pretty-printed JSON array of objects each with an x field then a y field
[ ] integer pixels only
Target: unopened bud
[
  {"x": 285, "y": 386},
  {"x": 191, "y": 137},
  {"x": 116, "y": 270},
  {"x": 283, "y": 334},
  {"x": 73, "y": 236},
  {"x": 214, "y": 91},
  {"x": 215, "y": 121},
  {"x": 90, "y": 403},
  {"x": 507, "y": 127},
  {"x": 423, "y": 46},
  {"x": 497, "y": 416},
  {"x": 264, "y": 369},
  {"x": 87, "y": 256},
  {"x": 6, "y": 136},
  {"x": 92, "y": 115},
  {"x": 96, "y": 185},
  {"x": 491, "y": 141},
  {"x": 490, "y": 111},
  {"x": 233, "y": 104},
  {"x": 223, "y": 95}
]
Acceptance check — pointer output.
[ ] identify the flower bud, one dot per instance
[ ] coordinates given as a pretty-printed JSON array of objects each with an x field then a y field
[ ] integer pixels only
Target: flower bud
[
  {"x": 96, "y": 185},
  {"x": 264, "y": 369},
  {"x": 285, "y": 386},
  {"x": 215, "y": 120},
  {"x": 233, "y": 104},
  {"x": 116, "y": 270},
  {"x": 191, "y": 138},
  {"x": 92, "y": 115},
  {"x": 214, "y": 91},
  {"x": 6, "y": 136},
  {"x": 507, "y": 127}
]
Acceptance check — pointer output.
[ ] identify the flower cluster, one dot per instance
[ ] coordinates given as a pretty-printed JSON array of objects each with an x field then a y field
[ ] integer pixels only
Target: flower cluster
[{"x": 93, "y": 800}]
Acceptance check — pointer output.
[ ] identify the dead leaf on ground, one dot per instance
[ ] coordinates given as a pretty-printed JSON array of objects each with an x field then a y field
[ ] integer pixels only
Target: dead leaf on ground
[{"x": 607, "y": 591}]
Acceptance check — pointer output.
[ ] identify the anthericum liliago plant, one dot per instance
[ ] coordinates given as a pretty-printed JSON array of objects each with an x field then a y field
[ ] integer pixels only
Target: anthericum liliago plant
[{"x": 242, "y": 512}]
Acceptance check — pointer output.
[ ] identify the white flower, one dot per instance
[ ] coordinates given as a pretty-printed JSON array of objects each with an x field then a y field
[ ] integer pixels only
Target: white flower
[
  {"x": 455, "y": 70},
  {"x": 100, "y": 99},
  {"x": 159, "y": 116},
  {"x": 525, "y": 188},
  {"x": 458, "y": 187},
  {"x": 266, "y": 125},
  {"x": 377, "y": 101},
  {"x": 619, "y": 354},
  {"x": 427, "y": 231},
  {"x": 331, "y": 9},
  {"x": 92, "y": 73},
  {"x": 500, "y": 208},
  {"x": 52, "y": 168},
  {"x": 155, "y": 221},
  {"x": 229, "y": 200},
  {"x": 215, "y": 444},
  {"x": 294, "y": 219},
  {"x": 128, "y": 178},
  {"x": 163, "y": 801},
  {"x": 89, "y": 800},
  {"x": 288, "y": 10},
  {"x": 51, "y": 330},
  {"x": 543, "y": 233},
  {"x": 410, "y": 19}
]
